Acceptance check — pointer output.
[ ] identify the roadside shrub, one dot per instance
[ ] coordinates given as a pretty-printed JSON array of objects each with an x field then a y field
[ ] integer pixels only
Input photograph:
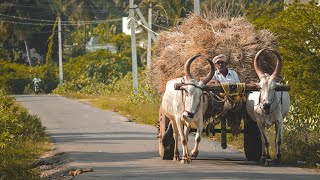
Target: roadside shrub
[
  {"x": 91, "y": 73},
  {"x": 22, "y": 139},
  {"x": 296, "y": 28},
  {"x": 14, "y": 77},
  {"x": 301, "y": 145},
  {"x": 17, "y": 78}
]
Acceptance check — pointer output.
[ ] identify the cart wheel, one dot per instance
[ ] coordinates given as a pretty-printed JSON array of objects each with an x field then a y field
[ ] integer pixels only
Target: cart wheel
[
  {"x": 252, "y": 141},
  {"x": 165, "y": 137}
]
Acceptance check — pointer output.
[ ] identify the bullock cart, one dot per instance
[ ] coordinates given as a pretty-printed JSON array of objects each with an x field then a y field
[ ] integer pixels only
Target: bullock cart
[{"x": 252, "y": 141}]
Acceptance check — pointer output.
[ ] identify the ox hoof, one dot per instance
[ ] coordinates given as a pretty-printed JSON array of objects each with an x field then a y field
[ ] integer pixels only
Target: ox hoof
[
  {"x": 267, "y": 163},
  {"x": 278, "y": 159},
  {"x": 194, "y": 154},
  {"x": 176, "y": 158},
  {"x": 185, "y": 161},
  {"x": 263, "y": 160}
]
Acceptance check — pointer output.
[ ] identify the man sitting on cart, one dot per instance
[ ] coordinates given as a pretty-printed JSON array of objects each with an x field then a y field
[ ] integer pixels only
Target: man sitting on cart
[
  {"x": 232, "y": 108},
  {"x": 222, "y": 73}
]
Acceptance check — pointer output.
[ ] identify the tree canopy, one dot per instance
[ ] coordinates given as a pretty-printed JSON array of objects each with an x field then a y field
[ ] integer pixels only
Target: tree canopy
[{"x": 298, "y": 32}]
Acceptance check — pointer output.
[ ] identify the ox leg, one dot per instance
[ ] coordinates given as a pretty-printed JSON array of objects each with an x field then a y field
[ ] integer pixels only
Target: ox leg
[
  {"x": 279, "y": 126},
  {"x": 195, "y": 151},
  {"x": 176, "y": 141},
  {"x": 185, "y": 156},
  {"x": 265, "y": 158},
  {"x": 186, "y": 129}
]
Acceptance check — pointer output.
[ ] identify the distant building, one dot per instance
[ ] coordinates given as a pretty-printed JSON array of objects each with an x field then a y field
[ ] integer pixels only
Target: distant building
[
  {"x": 35, "y": 57},
  {"x": 93, "y": 45},
  {"x": 301, "y": 1},
  {"x": 126, "y": 26}
]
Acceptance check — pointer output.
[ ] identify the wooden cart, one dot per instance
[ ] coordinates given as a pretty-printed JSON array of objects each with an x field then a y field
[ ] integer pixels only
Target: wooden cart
[{"x": 252, "y": 141}]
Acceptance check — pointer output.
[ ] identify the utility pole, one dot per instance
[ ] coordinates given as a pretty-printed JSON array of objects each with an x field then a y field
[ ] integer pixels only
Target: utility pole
[
  {"x": 145, "y": 23},
  {"x": 28, "y": 52},
  {"x": 133, "y": 49},
  {"x": 197, "y": 7},
  {"x": 150, "y": 5},
  {"x": 60, "y": 51}
]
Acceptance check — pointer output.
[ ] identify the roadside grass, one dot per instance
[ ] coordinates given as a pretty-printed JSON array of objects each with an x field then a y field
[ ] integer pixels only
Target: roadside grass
[
  {"x": 17, "y": 158},
  {"x": 141, "y": 112},
  {"x": 22, "y": 140}
]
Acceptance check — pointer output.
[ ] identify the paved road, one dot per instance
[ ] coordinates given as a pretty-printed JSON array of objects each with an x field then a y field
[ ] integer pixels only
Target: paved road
[{"x": 118, "y": 149}]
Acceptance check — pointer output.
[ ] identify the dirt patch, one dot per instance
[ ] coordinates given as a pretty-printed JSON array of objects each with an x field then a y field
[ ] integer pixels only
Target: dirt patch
[{"x": 53, "y": 166}]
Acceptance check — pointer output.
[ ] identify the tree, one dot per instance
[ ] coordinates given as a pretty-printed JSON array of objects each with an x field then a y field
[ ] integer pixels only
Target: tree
[
  {"x": 298, "y": 29},
  {"x": 21, "y": 23},
  {"x": 298, "y": 32},
  {"x": 177, "y": 9}
]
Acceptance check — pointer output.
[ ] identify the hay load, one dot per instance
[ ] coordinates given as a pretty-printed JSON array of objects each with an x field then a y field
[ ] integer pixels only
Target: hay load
[{"x": 236, "y": 38}]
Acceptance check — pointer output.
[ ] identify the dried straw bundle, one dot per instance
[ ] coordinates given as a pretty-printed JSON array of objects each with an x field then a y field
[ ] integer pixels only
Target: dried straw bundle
[{"x": 236, "y": 38}]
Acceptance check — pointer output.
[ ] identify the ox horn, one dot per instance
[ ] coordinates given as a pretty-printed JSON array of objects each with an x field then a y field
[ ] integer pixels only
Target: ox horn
[
  {"x": 255, "y": 64},
  {"x": 210, "y": 74},
  {"x": 279, "y": 64},
  {"x": 187, "y": 67}
]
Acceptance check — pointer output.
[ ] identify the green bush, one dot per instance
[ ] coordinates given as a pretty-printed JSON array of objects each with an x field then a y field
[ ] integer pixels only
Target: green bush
[
  {"x": 297, "y": 30},
  {"x": 301, "y": 145},
  {"x": 91, "y": 73},
  {"x": 22, "y": 139},
  {"x": 17, "y": 78},
  {"x": 142, "y": 107}
]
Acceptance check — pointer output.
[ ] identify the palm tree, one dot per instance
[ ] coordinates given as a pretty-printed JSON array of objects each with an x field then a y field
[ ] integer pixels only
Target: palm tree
[
  {"x": 18, "y": 25},
  {"x": 82, "y": 10},
  {"x": 177, "y": 9}
]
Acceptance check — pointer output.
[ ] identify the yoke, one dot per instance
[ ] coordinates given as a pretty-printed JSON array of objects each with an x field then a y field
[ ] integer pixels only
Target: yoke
[{"x": 217, "y": 88}]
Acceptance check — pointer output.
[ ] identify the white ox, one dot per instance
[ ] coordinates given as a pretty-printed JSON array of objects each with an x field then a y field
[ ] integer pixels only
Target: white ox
[
  {"x": 185, "y": 106},
  {"x": 268, "y": 106}
]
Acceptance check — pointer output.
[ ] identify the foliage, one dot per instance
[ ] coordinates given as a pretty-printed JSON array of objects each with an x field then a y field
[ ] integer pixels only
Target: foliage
[
  {"x": 261, "y": 13},
  {"x": 51, "y": 40},
  {"x": 92, "y": 72},
  {"x": 297, "y": 29},
  {"x": 75, "y": 40},
  {"x": 142, "y": 107},
  {"x": 22, "y": 138},
  {"x": 14, "y": 77},
  {"x": 122, "y": 43},
  {"x": 301, "y": 145},
  {"x": 177, "y": 10},
  {"x": 104, "y": 31},
  {"x": 16, "y": 28},
  {"x": 17, "y": 78}
]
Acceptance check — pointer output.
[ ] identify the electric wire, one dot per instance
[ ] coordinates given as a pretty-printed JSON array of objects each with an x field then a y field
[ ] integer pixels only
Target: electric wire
[{"x": 65, "y": 22}]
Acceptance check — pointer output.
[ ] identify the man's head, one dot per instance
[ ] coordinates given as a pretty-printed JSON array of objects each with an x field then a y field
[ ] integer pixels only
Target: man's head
[{"x": 220, "y": 62}]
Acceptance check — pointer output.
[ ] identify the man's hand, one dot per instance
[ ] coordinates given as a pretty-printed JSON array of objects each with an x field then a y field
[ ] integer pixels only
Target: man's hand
[{"x": 214, "y": 81}]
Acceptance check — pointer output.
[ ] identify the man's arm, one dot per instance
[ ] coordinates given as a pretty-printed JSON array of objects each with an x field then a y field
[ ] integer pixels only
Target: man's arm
[{"x": 236, "y": 77}]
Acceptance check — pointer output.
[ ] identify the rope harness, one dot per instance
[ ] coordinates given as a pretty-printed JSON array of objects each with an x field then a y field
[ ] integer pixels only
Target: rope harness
[
  {"x": 238, "y": 97},
  {"x": 183, "y": 101},
  {"x": 274, "y": 94}
]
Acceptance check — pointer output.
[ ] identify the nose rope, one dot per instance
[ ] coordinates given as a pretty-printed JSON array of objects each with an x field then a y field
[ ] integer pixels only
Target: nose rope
[
  {"x": 183, "y": 101},
  {"x": 271, "y": 103}
]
